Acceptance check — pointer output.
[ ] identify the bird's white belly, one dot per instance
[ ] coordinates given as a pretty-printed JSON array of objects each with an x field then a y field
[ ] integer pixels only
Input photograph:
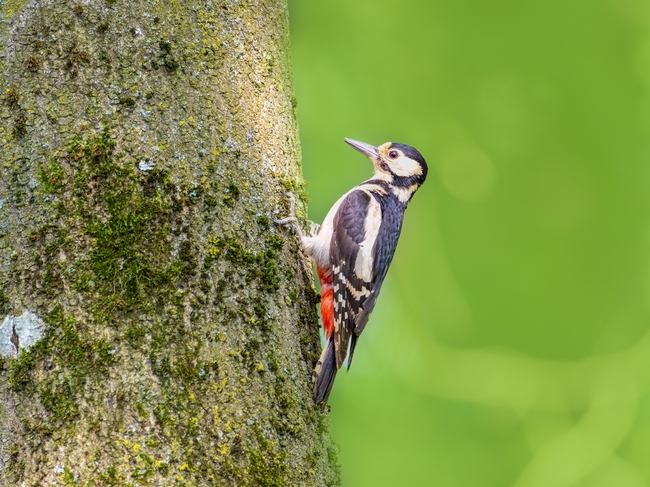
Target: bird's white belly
[{"x": 318, "y": 247}]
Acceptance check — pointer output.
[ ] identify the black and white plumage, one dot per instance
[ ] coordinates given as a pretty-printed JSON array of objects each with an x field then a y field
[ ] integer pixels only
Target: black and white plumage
[{"x": 354, "y": 248}]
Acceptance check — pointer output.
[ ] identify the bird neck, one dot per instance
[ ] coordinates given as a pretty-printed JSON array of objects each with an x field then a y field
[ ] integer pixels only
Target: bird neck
[{"x": 382, "y": 188}]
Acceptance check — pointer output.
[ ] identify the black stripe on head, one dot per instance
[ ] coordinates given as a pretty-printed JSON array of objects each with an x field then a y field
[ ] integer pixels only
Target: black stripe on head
[
  {"x": 383, "y": 165},
  {"x": 412, "y": 153}
]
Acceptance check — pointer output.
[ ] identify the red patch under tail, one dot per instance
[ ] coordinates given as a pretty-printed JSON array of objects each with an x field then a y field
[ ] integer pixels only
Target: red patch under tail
[{"x": 326, "y": 299}]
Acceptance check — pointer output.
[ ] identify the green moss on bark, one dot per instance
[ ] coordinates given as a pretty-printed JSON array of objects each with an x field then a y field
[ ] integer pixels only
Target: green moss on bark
[{"x": 138, "y": 182}]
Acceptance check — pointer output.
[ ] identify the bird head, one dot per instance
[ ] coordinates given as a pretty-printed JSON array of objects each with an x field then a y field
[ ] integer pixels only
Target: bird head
[{"x": 398, "y": 164}]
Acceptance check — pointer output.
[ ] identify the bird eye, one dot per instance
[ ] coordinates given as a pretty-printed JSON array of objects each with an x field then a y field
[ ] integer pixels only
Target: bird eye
[{"x": 393, "y": 154}]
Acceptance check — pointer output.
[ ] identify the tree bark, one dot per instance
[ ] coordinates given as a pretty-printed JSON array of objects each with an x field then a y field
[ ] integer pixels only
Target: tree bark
[{"x": 158, "y": 330}]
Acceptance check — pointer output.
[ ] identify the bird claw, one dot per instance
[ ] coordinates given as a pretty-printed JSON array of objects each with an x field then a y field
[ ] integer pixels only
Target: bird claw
[
  {"x": 285, "y": 221},
  {"x": 291, "y": 219},
  {"x": 314, "y": 228}
]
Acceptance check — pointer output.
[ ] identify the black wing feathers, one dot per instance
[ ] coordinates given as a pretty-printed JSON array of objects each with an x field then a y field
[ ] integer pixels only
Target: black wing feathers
[
  {"x": 383, "y": 250},
  {"x": 386, "y": 242},
  {"x": 349, "y": 233},
  {"x": 354, "y": 298}
]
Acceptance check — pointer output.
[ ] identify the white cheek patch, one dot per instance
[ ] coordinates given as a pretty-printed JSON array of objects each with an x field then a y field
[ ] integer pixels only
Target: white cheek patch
[{"x": 405, "y": 167}]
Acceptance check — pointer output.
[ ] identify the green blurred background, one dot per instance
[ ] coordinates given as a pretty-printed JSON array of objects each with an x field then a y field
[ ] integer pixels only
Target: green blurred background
[{"x": 510, "y": 345}]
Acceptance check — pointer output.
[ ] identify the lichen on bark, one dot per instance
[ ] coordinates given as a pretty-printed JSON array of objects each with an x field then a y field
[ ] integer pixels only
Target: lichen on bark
[{"x": 146, "y": 149}]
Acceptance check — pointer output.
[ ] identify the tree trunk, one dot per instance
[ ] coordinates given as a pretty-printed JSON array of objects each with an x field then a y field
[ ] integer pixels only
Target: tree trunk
[{"x": 158, "y": 330}]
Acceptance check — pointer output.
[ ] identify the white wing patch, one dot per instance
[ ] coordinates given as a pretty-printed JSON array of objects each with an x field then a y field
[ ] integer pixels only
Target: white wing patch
[{"x": 364, "y": 263}]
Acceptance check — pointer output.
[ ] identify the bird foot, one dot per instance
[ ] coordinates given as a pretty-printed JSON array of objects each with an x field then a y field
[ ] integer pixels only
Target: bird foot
[
  {"x": 314, "y": 228},
  {"x": 291, "y": 219}
]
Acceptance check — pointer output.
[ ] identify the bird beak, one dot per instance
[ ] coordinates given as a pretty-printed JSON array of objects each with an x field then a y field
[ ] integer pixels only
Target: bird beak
[{"x": 367, "y": 149}]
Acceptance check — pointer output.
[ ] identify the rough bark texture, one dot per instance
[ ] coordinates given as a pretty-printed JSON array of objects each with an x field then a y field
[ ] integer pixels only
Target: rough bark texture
[{"x": 157, "y": 329}]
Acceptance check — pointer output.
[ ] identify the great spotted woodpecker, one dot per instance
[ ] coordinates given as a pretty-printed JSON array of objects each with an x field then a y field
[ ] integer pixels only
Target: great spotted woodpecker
[{"x": 354, "y": 248}]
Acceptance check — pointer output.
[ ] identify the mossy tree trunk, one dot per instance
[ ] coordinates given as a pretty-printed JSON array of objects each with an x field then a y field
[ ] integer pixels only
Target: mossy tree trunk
[{"x": 158, "y": 330}]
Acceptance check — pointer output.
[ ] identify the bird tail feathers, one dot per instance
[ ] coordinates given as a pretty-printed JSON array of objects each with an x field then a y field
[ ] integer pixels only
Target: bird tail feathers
[
  {"x": 353, "y": 344},
  {"x": 325, "y": 373}
]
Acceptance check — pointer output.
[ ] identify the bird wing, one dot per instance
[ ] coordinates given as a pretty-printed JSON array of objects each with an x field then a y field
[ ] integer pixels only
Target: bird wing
[
  {"x": 356, "y": 226},
  {"x": 382, "y": 252}
]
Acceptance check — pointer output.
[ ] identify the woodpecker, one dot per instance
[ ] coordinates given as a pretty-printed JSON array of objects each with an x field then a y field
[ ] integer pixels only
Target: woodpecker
[{"x": 354, "y": 248}]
